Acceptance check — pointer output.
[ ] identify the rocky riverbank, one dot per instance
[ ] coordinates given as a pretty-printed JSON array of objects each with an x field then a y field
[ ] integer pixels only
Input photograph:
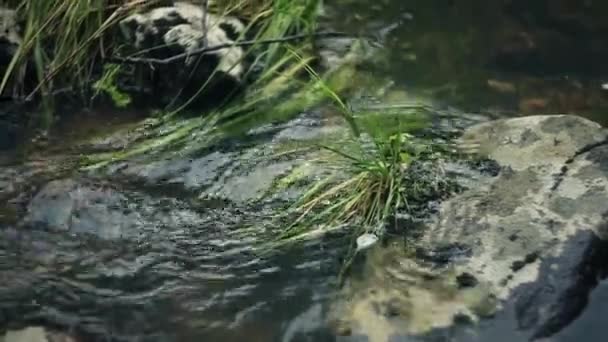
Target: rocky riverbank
[{"x": 516, "y": 255}]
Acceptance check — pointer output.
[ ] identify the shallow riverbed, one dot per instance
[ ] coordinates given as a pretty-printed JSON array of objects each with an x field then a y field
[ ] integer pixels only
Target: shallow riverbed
[{"x": 173, "y": 267}]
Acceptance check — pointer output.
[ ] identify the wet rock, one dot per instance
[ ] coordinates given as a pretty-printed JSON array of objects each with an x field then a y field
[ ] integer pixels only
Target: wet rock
[
  {"x": 179, "y": 29},
  {"x": 519, "y": 251},
  {"x": 101, "y": 209},
  {"x": 35, "y": 334},
  {"x": 32, "y": 334},
  {"x": 397, "y": 297},
  {"x": 551, "y": 194},
  {"x": 66, "y": 205},
  {"x": 20, "y": 180},
  {"x": 238, "y": 172}
]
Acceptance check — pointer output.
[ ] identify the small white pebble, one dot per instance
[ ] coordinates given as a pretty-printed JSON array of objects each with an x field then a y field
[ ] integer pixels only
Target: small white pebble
[{"x": 365, "y": 241}]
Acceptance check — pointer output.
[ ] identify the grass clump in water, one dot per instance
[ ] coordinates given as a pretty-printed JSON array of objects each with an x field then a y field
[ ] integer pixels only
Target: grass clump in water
[
  {"x": 373, "y": 180},
  {"x": 381, "y": 170}
]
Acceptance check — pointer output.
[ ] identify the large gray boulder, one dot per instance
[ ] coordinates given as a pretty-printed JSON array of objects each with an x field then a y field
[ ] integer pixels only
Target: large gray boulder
[
  {"x": 103, "y": 210},
  {"x": 518, "y": 253}
]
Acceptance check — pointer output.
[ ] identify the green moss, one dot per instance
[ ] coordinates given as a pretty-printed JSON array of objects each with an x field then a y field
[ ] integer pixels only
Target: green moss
[{"x": 107, "y": 84}]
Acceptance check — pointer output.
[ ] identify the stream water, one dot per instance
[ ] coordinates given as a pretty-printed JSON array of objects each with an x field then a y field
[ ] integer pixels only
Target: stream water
[{"x": 177, "y": 272}]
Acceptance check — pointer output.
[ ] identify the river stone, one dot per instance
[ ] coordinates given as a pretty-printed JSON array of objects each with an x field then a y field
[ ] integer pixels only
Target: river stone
[
  {"x": 534, "y": 240},
  {"x": 67, "y": 205},
  {"x": 105, "y": 210},
  {"x": 237, "y": 171},
  {"x": 181, "y": 26},
  {"x": 31, "y": 334}
]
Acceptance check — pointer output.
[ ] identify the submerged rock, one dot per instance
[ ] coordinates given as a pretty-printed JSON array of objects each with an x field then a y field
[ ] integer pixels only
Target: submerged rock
[
  {"x": 535, "y": 237},
  {"x": 236, "y": 171},
  {"x": 66, "y": 205},
  {"x": 104, "y": 210}
]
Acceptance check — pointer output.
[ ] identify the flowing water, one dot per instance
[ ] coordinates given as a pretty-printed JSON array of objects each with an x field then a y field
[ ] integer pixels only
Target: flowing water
[{"x": 179, "y": 271}]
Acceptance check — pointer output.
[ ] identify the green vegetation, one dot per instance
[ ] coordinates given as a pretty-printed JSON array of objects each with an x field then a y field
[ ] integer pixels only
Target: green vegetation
[
  {"x": 62, "y": 41},
  {"x": 374, "y": 179},
  {"x": 374, "y": 176},
  {"x": 107, "y": 85},
  {"x": 279, "y": 91},
  {"x": 65, "y": 43}
]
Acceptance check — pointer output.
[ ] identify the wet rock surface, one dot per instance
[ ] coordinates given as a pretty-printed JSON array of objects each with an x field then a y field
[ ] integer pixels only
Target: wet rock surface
[
  {"x": 234, "y": 172},
  {"x": 534, "y": 237},
  {"x": 536, "y": 232},
  {"x": 35, "y": 334}
]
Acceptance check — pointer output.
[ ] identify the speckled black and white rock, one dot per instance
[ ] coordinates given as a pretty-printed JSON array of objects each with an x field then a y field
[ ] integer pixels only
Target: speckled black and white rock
[
  {"x": 180, "y": 29},
  {"x": 535, "y": 232},
  {"x": 183, "y": 28}
]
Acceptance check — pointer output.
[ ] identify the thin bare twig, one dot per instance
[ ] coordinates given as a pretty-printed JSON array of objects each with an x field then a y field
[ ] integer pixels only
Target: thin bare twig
[{"x": 203, "y": 50}]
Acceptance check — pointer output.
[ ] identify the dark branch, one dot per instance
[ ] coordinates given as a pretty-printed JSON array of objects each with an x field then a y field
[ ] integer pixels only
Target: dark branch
[{"x": 181, "y": 56}]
